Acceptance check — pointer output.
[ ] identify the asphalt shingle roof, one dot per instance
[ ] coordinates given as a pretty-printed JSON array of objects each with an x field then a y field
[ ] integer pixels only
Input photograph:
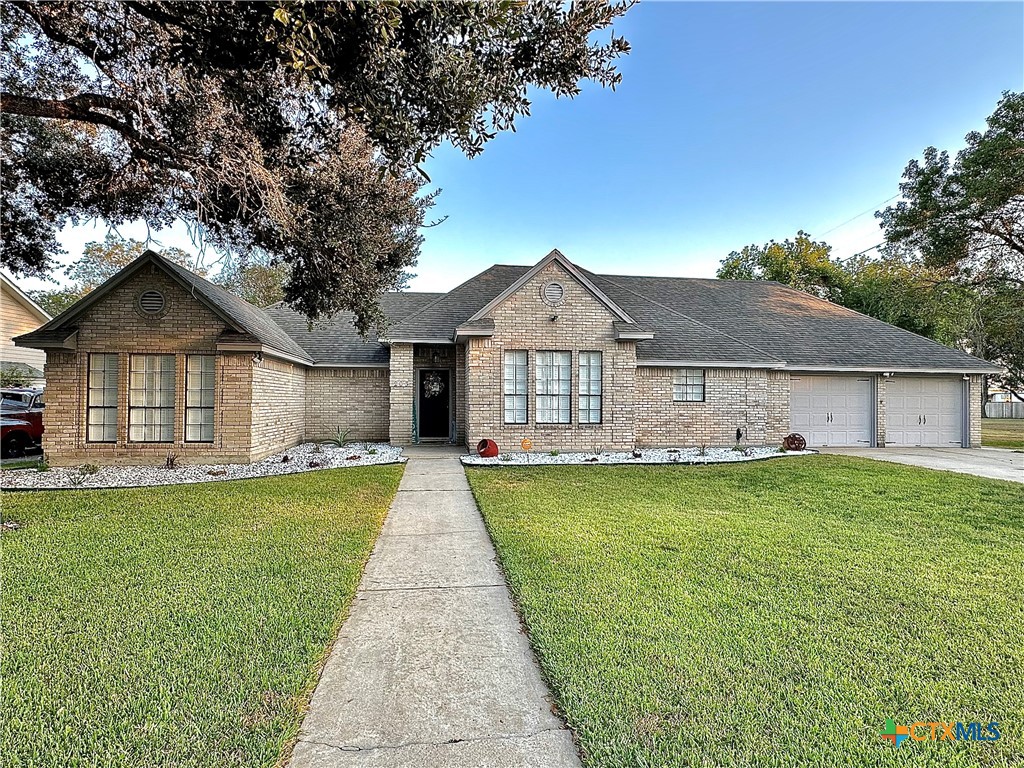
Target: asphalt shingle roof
[
  {"x": 336, "y": 342},
  {"x": 784, "y": 323},
  {"x": 253, "y": 320},
  {"x": 738, "y": 322},
  {"x": 438, "y": 319}
]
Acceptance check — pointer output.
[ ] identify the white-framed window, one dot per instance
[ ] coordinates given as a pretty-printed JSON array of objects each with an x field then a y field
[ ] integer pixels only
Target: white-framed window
[
  {"x": 554, "y": 387},
  {"x": 515, "y": 386},
  {"x": 688, "y": 385},
  {"x": 199, "y": 378},
  {"x": 101, "y": 407},
  {"x": 151, "y": 399},
  {"x": 590, "y": 388}
]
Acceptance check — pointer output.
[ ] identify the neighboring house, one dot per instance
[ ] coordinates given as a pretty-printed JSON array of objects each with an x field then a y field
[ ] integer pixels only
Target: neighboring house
[
  {"x": 19, "y": 315},
  {"x": 1000, "y": 395},
  {"x": 159, "y": 360}
]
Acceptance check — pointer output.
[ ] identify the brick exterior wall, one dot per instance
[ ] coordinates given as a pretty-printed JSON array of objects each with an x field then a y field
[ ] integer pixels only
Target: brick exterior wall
[
  {"x": 402, "y": 395},
  {"x": 975, "y": 395},
  {"x": 115, "y": 325},
  {"x": 278, "y": 406},
  {"x": 524, "y": 321},
  {"x": 356, "y": 399},
  {"x": 264, "y": 407},
  {"x": 754, "y": 400}
]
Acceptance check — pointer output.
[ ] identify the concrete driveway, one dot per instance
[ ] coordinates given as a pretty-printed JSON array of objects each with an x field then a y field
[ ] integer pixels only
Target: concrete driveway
[{"x": 995, "y": 463}]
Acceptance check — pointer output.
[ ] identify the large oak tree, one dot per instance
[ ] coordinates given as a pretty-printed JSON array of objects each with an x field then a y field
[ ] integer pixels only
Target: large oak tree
[{"x": 292, "y": 129}]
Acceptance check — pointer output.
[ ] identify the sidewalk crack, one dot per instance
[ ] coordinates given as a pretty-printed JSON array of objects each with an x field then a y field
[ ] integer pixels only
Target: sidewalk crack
[{"x": 503, "y": 737}]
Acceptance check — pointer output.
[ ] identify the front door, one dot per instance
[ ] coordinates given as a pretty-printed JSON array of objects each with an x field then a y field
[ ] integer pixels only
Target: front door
[{"x": 434, "y": 404}]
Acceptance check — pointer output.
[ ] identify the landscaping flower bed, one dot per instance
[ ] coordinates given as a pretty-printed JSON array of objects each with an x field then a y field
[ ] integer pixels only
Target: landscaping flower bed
[
  {"x": 307, "y": 457},
  {"x": 639, "y": 456}
]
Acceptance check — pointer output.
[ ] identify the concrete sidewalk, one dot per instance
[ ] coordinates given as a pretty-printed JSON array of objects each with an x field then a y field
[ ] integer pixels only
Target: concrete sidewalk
[{"x": 431, "y": 668}]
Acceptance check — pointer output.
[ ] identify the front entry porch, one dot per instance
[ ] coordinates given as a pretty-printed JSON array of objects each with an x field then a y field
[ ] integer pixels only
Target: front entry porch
[{"x": 427, "y": 382}]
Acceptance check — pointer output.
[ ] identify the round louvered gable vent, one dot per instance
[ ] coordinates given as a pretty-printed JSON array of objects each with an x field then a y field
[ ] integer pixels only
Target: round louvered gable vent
[
  {"x": 554, "y": 293},
  {"x": 151, "y": 302}
]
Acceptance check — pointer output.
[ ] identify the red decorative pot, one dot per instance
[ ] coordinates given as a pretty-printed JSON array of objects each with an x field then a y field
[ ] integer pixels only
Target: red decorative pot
[{"x": 487, "y": 448}]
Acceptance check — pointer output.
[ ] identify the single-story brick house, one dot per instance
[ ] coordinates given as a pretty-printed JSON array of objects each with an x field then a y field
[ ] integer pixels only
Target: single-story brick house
[{"x": 159, "y": 360}]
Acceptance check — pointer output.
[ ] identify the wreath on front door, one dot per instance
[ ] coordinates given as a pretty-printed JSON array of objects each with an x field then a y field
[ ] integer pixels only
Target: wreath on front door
[{"x": 433, "y": 384}]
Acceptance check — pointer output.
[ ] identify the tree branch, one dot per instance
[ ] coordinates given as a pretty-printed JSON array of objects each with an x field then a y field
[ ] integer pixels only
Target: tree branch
[{"x": 82, "y": 108}]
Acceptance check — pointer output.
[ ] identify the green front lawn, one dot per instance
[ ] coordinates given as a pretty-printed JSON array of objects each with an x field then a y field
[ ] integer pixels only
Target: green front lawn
[
  {"x": 1002, "y": 433},
  {"x": 176, "y": 626},
  {"x": 769, "y": 614}
]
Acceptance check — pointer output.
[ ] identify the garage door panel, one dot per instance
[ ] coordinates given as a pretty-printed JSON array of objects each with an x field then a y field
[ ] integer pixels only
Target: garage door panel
[
  {"x": 832, "y": 410},
  {"x": 924, "y": 411}
]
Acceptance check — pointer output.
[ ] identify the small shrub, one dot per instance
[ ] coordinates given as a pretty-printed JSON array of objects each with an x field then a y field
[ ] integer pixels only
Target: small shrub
[
  {"x": 505, "y": 457},
  {"x": 341, "y": 439},
  {"x": 553, "y": 453},
  {"x": 285, "y": 459},
  {"x": 637, "y": 453},
  {"x": 318, "y": 448},
  {"x": 702, "y": 449},
  {"x": 80, "y": 473},
  {"x": 12, "y": 377},
  {"x": 171, "y": 462},
  {"x": 371, "y": 451}
]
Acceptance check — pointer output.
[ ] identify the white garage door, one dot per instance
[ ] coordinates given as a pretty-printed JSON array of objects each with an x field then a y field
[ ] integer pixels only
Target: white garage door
[
  {"x": 924, "y": 411},
  {"x": 831, "y": 410}
]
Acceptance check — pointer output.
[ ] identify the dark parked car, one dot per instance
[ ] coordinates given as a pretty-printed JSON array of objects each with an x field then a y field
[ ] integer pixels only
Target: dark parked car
[{"x": 21, "y": 421}]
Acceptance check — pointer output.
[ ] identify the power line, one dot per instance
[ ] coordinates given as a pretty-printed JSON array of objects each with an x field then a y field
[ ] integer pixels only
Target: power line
[{"x": 872, "y": 209}]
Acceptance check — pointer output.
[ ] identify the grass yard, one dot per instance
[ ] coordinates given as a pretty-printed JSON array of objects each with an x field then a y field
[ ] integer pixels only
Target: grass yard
[
  {"x": 768, "y": 614},
  {"x": 1002, "y": 433},
  {"x": 178, "y": 626}
]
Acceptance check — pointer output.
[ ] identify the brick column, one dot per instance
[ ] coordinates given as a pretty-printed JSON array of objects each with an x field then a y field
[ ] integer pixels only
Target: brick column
[{"x": 402, "y": 394}]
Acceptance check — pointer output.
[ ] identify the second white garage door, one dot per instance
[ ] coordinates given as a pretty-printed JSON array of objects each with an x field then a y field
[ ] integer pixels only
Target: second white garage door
[
  {"x": 921, "y": 410},
  {"x": 831, "y": 410}
]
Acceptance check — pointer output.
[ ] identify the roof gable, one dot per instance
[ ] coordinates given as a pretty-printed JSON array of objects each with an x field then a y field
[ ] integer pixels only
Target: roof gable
[
  {"x": 24, "y": 299},
  {"x": 554, "y": 257},
  {"x": 241, "y": 317}
]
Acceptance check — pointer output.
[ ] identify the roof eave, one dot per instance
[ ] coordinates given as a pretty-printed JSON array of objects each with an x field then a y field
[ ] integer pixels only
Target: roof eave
[
  {"x": 26, "y": 340},
  {"x": 699, "y": 363},
  {"x": 265, "y": 349},
  {"x": 893, "y": 369}
]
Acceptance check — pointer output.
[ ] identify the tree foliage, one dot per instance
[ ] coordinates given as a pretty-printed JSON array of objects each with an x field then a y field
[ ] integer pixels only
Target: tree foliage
[
  {"x": 257, "y": 279},
  {"x": 952, "y": 268},
  {"x": 800, "y": 262},
  {"x": 292, "y": 128},
  {"x": 967, "y": 214},
  {"x": 99, "y": 262}
]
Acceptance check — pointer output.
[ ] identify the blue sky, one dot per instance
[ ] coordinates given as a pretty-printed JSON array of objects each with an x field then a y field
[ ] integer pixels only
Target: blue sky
[{"x": 735, "y": 123}]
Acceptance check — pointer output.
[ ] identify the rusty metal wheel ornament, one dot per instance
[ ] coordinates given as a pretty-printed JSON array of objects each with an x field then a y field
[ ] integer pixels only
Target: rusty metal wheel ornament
[{"x": 793, "y": 442}]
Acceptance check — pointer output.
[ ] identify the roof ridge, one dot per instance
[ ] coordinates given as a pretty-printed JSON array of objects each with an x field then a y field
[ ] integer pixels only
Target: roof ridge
[{"x": 687, "y": 317}]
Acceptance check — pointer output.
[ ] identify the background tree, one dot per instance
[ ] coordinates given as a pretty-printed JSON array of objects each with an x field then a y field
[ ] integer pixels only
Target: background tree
[
  {"x": 291, "y": 128},
  {"x": 56, "y": 300},
  {"x": 100, "y": 261},
  {"x": 801, "y": 263},
  {"x": 256, "y": 278},
  {"x": 967, "y": 215},
  {"x": 965, "y": 219}
]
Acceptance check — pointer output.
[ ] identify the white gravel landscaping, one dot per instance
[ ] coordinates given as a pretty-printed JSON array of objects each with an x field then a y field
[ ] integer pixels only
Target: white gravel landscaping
[
  {"x": 307, "y": 457},
  {"x": 640, "y": 456}
]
